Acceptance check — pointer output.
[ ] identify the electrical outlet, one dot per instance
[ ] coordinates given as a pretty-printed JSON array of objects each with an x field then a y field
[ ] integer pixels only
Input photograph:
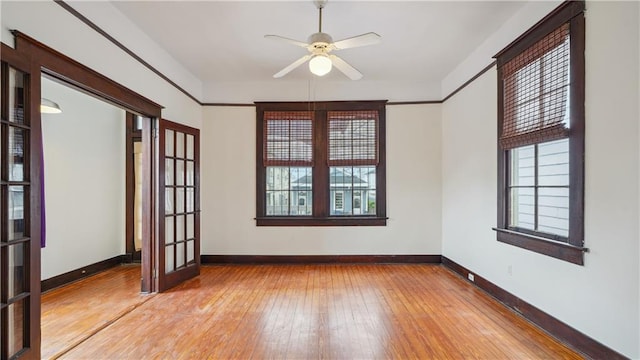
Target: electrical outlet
[
  {"x": 471, "y": 277},
  {"x": 510, "y": 270}
]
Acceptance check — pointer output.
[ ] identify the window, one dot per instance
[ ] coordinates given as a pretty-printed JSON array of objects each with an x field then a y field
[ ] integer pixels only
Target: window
[
  {"x": 321, "y": 163},
  {"x": 541, "y": 137}
]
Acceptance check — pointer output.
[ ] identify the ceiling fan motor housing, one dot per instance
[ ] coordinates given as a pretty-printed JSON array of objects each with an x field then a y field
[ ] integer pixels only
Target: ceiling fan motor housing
[{"x": 319, "y": 42}]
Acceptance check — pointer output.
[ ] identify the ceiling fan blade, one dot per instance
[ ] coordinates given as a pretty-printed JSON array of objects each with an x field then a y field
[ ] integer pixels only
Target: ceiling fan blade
[
  {"x": 370, "y": 38},
  {"x": 293, "y": 65},
  {"x": 290, "y": 41},
  {"x": 346, "y": 69}
]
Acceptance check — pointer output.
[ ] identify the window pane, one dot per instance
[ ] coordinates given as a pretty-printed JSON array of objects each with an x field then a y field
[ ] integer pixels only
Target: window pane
[
  {"x": 288, "y": 137},
  {"x": 522, "y": 212},
  {"x": 535, "y": 92},
  {"x": 353, "y": 137},
  {"x": 289, "y": 191},
  {"x": 352, "y": 190},
  {"x": 553, "y": 211},
  {"x": 523, "y": 166},
  {"x": 553, "y": 163}
]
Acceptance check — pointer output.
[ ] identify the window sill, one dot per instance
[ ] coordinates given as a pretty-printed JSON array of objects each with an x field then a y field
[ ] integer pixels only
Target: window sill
[
  {"x": 563, "y": 251},
  {"x": 329, "y": 221}
]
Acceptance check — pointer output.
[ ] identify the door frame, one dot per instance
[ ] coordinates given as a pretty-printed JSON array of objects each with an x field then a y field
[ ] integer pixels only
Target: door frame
[
  {"x": 44, "y": 60},
  {"x": 22, "y": 62}
]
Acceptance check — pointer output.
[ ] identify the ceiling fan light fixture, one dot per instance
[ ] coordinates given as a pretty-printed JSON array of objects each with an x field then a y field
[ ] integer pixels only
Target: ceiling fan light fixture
[
  {"x": 49, "y": 107},
  {"x": 320, "y": 65}
]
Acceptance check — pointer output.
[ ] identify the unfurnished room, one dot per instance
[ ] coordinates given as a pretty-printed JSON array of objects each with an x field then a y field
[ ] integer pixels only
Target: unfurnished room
[{"x": 320, "y": 179}]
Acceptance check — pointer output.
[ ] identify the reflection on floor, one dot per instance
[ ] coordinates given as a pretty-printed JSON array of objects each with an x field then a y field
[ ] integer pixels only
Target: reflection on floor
[
  {"x": 290, "y": 311},
  {"x": 72, "y": 313}
]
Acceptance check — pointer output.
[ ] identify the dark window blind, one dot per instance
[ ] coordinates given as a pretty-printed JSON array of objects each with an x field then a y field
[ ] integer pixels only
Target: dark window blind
[
  {"x": 288, "y": 138},
  {"x": 353, "y": 138},
  {"x": 536, "y": 92}
]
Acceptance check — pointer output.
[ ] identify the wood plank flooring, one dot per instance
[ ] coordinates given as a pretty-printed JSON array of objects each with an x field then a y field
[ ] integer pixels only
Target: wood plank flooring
[{"x": 292, "y": 312}]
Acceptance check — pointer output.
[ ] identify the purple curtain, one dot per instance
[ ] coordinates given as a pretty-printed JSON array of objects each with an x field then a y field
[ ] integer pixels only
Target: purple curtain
[{"x": 43, "y": 217}]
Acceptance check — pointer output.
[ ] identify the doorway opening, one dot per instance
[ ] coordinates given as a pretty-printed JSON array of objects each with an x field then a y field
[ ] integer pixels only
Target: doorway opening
[{"x": 134, "y": 156}]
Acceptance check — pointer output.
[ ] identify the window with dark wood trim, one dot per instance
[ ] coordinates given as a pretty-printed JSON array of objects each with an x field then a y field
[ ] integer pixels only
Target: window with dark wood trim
[
  {"x": 541, "y": 137},
  {"x": 321, "y": 163}
]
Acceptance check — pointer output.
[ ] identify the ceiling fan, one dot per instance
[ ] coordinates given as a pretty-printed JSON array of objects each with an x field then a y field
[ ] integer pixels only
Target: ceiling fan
[{"x": 320, "y": 46}]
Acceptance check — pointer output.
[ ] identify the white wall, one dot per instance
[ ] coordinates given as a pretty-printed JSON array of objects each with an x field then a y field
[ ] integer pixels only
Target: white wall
[
  {"x": 482, "y": 56},
  {"x": 413, "y": 191},
  {"x": 601, "y": 298},
  {"x": 52, "y": 25},
  {"x": 441, "y": 176},
  {"x": 84, "y": 155}
]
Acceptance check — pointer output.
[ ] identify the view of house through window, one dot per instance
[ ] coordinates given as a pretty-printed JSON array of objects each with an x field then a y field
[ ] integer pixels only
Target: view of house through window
[
  {"x": 320, "y": 164},
  {"x": 353, "y": 190},
  {"x": 288, "y": 189},
  {"x": 539, "y": 188}
]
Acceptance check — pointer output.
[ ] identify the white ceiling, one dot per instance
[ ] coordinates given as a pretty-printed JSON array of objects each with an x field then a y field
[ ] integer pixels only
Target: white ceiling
[{"x": 222, "y": 41}]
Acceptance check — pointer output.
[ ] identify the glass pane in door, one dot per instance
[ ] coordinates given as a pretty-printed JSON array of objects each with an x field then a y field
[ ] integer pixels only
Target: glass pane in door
[
  {"x": 16, "y": 96},
  {"x": 190, "y": 147},
  {"x": 179, "y": 255},
  {"x": 180, "y": 228},
  {"x": 180, "y": 245},
  {"x": 179, "y": 145},
  {"x": 15, "y": 210},
  {"x": 16, "y": 270},
  {"x": 169, "y": 141},
  {"x": 16, "y": 321},
  {"x": 190, "y": 251},
  {"x": 16, "y": 153},
  {"x": 169, "y": 265}
]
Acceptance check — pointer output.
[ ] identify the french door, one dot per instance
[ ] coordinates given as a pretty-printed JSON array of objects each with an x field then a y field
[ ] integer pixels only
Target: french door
[
  {"x": 19, "y": 212},
  {"x": 178, "y": 242}
]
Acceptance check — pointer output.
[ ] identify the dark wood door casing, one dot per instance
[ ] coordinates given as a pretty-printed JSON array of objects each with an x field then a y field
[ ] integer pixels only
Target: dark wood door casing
[
  {"x": 32, "y": 203},
  {"x": 43, "y": 60}
]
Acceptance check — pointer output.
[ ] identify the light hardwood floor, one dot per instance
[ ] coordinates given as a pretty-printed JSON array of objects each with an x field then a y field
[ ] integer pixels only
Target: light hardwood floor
[{"x": 289, "y": 311}]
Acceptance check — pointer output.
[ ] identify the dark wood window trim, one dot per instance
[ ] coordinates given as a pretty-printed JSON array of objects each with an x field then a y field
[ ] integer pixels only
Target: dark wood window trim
[
  {"x": 321, "y": 201},
  {"x": 571, "y": 12}
]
